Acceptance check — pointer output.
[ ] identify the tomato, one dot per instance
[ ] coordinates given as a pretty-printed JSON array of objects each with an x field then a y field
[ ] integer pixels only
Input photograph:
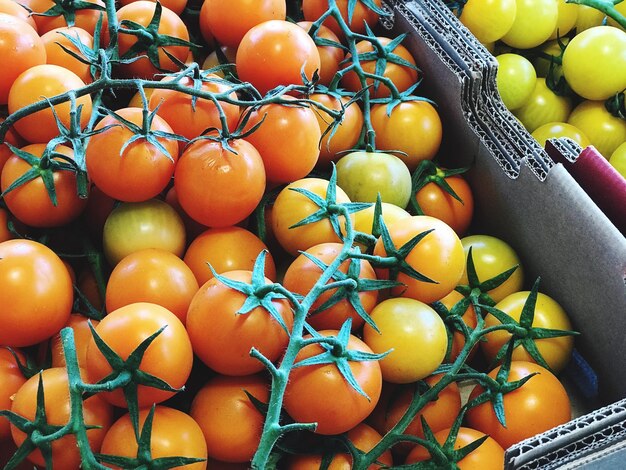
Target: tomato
[
  {"x": 88, "y": 286},
  {"x": 20, "y": 42},
  {"x": 555, "y": 130},
  {"x": 212, "y": 60},
  {"x": 152, "y": 275},
  {"x": 228, "y": 22},
  {"x": 594, "y": 62},
  {"x": 309, "y": 388},
  {"x": 11, "y": 137},
  {"x": 516, "y": 79},
  {"x": 415, "y": 334},
  {"x": 302, "y": 274},
  {"x": 174, "y": 434},
  {"x": 540, "y": 404},
  {"x": 488, "y": 456},
  {"x": 222, "y": 337},
  {"x": 330, "y": 57},
  {"x": 216, "y": 186},
  {"x": 85, "y": 18},
  {"x": 438, "y": 256},
  {"x": 96, "y": 412},
  {"x": 362, "y": 436},
  {"x": 170, "y": 24},
  {"x": 12, "y": 379},
  {"x": 535, "y": 20},
  {"x": 300, "y": 124},
  {"x": 548, "y": 314},
  {"x": 568, "y": 14},
  {"x": 543, "y": 106},
  {"x": 436, "y": 202},
  {"x": 390, "y": 213},
  {"x": 291, "y": 207},
  {"x": 491, "y": 257},
  {"x": 130, "y": 172},
  {"x": 618, "y": 159},
  {"x": 5, "y": 233},
  {"x": 439, "y": 413},
  {"x": 11, "y": 7},
  {"x": 365, "y": 175},
  {"x": 56, "y": 55},
  {"x": 177, "y": 6},
  {"x": 346, "y": 134},
  {"x": 229, "y": 420},
  {"x": 169, "y": 357},
  {"x": 605, "y": 131},
  {"x": 98, "y": 208},
  {"x": 621, "y": 8},
  {"x": 588, "y": 17},
  {"x": 191, "y": 119},
  {"x": 489, "y": 20},
  {"x": 40, "y": 81},
  {"x": 468, "y": 317},
  {"x": 134, "y": 226},
  {"x": 402, "y": 76},
  {"x": 286, "y": 46},
  {"x": 412, "y": 132},
  {"x": 35, "y": 293},
  {"x": 82, "y": 334},
  {"x": 361, "y": 15},
  {"x": 550, "y": 52},
  {"x": 30, "y": 203}
]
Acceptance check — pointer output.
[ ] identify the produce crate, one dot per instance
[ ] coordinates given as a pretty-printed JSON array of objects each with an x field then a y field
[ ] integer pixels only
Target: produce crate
[{"x": 525, "y": 197}]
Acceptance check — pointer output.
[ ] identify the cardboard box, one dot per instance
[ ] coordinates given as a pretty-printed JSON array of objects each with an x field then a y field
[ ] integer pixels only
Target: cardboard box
[{"x": 526, "y": 198}]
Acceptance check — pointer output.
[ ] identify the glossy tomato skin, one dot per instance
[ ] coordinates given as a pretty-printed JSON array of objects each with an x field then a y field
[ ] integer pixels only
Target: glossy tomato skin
[
  {"x": 155, "y": 276},
  {"x": 35, "y": 293},
  {"x": 285, "y": 45},
  {"x": 540, "y": 404},
  {"x": 231, "y": 424},
  {"x": 53, "y": 40},
  {"x": 30, "y": 202},
  {"x": 12, "y": 379},
  {"x": 313, "y": 9},
  {"x": 605, "y": 131},
  {"x": 488, "y": 456},
  {"x": 17, "y": 10},
  {"x": 85, "y": 18},
  {"x": 439, "y": 256},
  {"x": 11, "y": 137},
  {"x": 543, "y": 106},
  {"x": 309, "y": 388},
  {"x": 135, "y": 172},
  {"x": 535, "y": 20},
  {"x": 516, "y": 79},
  {"x": 96, "y": 412},
  {"x": 416, "y": 334},
  {"x": 330, "y": 57},
  {"x": 168, "y": 357},
  {"x": 82, "y": 334},
  {"x": 177, "y": 6},
  {"x": 217, "y": 187},
  {"x": 174, "y": 434},
  {"x": 489, "y": 20},
  {"x": 302, "y": 274},
  {"x": 554, "y": 130},
  {"x": 222, "y": 338},
  {"x": 469, "y": 318}
]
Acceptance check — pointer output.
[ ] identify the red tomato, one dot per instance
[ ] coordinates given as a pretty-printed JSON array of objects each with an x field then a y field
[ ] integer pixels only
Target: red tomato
[
  {"x": 12, "y": 379},
  {"x": 35, "y": 293},
  {"x": 218, "y": 187},
  {"x": 52, "y": 41},
  {"x": 330, "y": 57},
  {"x": 286, "y": 46},
  {"x": 82, "y": 335},
  {"x": 313, "y": 9}
]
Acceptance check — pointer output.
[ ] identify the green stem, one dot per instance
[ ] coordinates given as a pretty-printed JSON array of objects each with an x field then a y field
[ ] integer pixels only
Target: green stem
[{"x": 605, "y": 6}]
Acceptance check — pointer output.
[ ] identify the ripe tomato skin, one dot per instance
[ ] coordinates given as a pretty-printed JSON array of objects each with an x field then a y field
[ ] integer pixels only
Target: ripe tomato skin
[
  {"x": 488, "y": 456},
  {"x": 217, "y": 187},
  {"x": 134, "y": 226},
  {"x": 30, "y": 202},
  {"x": 40, "y": 81},
  {"x": 96, "y": 412},
  {"x": 134, "y": 173},
  {"x": 363, "y": 437},
  {"x": 228, "y": 22},
  {"x": 554, "y": 130},
  {"x": 55, "y": 54},
  {"x": 285, "y": 45},
  {"x": 155, "y": 276},
  {"x": 291, "y": 207},
  {"x": 438, "y": 256},
  {"x": 516, "y": 79},
  {"x": 414, "y": 128},
  {"x": 226, "y": 249},
  {"x": 35, "y": 293},
  {"x": 11, "y": 137},
  {"x": 85, "y": 18},
  {"x": 435, "y": 202},
  {"x": 309, "y": 387},
  {"x": 174, "y": 434},
  {"x": 313, "y": 9},
  {"x": 390, "y": 213},
  {"x": 469, "y": 318},
  {"x": 82, "y": 334},
  {"x": 12, "y": 8},
  {"x": 12, "y": 379},
  {"x": 168, "y": 357},
  {"x": 20, "y": 42},
  {"x": 302, "y": 274},
  {"x": 330, "y": 57},
  {"x": 231, "y": 424},
  {"x": 568, "y": 14},
  {"x": 402, "y": 76},
  {"x": 416, "y": 334},
  {"x": 605, "y": 131},
  {"x": 540, "y": 404},
  {"x": 177, "y": 6},
  {"x": 548, "y": 314},
  {"x": 222, "y": 338},
  {"x": 489, "y": 20},
  {"x": 535, "y": 20},
  {"x": 543, "y": 106}
]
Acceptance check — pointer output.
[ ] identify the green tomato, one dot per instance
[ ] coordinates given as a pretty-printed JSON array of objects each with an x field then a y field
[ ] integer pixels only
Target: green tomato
[
  {"x": 362, "y": 175},
  {"x": 516, "y": 79},
  {"x": 535, "y": 20},
  {"x": 489, "y": 20},
  {"x": 618, "y": 159},
  {"x": 554, "y": 130},
  {"x": 543, "y": 106},
  {"x": 605, "y": 131},
  {"x": 594, "y": 62}
]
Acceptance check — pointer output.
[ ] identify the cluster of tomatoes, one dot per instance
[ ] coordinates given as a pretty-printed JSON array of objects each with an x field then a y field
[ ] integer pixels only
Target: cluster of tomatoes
[
  {"x": 254, "y": 261},
  {"x": 561, "y": 68}
]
